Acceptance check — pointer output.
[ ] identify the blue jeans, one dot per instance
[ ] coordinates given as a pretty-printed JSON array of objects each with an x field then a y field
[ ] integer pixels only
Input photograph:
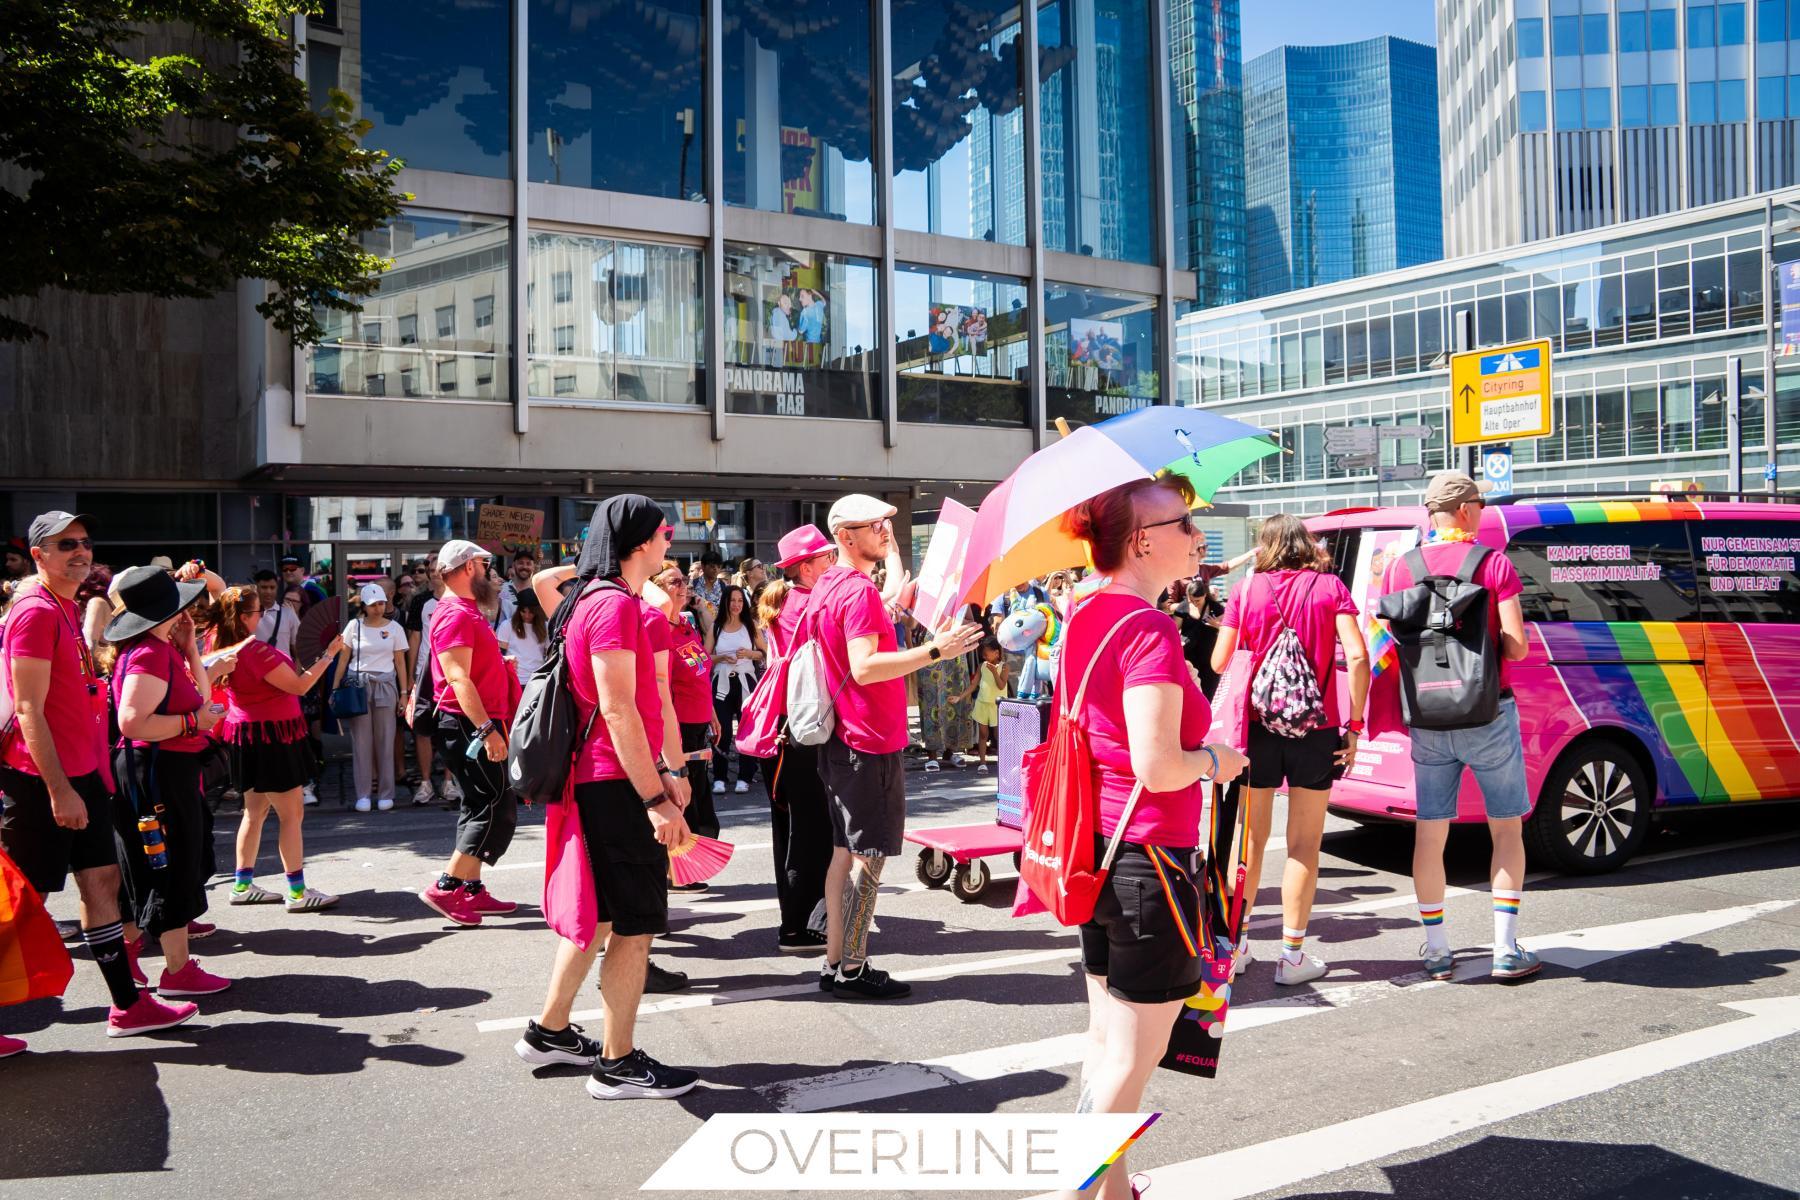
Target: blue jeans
[{"x": 1495, "y": 752}]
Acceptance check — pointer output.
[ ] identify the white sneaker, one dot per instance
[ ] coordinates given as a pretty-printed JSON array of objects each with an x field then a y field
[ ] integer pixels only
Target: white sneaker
[
  {"x": 309, "y": 797},
  {"x": 740, "y": 787},
  {"x": 362, "y": 804},
  {"x": 1241, "y": 958},
  {"x": 718, "y": 787},
  {"x": 452, "y": 790},
  {"x": 385, "y": 803},
  {"x": 1288, "y": 972}
]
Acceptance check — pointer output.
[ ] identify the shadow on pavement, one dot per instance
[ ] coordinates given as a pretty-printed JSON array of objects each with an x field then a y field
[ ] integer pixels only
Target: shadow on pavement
[
  {"x": 1501, "y": 1168},
  {"x": 339, "y": 996}
]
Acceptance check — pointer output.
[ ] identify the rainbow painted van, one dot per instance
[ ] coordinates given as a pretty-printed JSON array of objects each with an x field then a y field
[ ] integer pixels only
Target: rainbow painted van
[{"x": 1664, "y": 664}]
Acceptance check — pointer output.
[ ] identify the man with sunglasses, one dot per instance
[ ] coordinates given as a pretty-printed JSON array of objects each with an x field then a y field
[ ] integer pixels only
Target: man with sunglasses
[
  {"x": 58, "y": 815},
  {"x": 860, "y": 762},
  {"x": 1495, "y": 751}
]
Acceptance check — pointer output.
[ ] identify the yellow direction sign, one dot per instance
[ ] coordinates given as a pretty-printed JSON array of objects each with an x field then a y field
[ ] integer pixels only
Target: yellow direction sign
[{"x": 1500, "y": 395}]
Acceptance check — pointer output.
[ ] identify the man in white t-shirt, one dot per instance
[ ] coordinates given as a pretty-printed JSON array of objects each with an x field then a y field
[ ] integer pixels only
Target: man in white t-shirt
[
  {"x": 524, "y": 565},
  {"x": 280, "y": 619}
]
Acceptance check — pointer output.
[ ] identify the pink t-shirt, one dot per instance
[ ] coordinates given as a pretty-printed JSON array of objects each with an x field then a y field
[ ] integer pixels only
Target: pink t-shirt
[
  {"x": 871, "y": 718},
  {"x": 1146, "y": 650},
  {"x": 43, "y": 625},
  {"x": 690, "y": 674},
  {"x": 459, "y": 622},
  {"x": 249, "y": 696},
  {"x": 786, "y": 633},
  {"x": 157, "y": 658},
  {"x": 611, "y": 619},
  {"x": 1496, "y": 574},
  {"x": 1310, "y": 602}
]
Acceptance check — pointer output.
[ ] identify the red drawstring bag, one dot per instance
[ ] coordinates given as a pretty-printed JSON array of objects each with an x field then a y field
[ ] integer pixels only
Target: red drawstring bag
[
  {"x": 34, "y": 964},
  {"x": 1056, "y": 862}
]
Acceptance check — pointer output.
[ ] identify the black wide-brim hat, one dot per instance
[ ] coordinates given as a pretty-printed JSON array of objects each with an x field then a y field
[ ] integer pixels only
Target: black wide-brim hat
[{"x": 150, "y": 596}]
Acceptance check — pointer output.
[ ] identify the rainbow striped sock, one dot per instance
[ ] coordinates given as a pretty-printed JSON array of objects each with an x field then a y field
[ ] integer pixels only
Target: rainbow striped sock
[
  {"x": 297, "y": 884},
  {"x": 1431, "y": 916},
  {"x": 1506, "y": 922},
  {"x": 245, "y": 877},
  {"x": 1291, "y": 941}
]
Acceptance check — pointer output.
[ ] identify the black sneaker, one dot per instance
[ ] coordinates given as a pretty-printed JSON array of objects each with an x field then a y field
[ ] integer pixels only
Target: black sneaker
[
  {"x": 696, "y": 886},
  {"x": 661, "y": 979},
  {"x": 828, "y": 977},
  {"x": 870, "y": 984},
  {"x": 804, "y": 942},
  {"x": 568, "y": 1047},
  {"x": 637, "y": 1076}
]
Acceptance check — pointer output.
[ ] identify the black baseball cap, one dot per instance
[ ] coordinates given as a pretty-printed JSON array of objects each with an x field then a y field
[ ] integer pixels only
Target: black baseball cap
[
  {"x": 291, "y": 560},
  {"x": 48, "y": 525}
]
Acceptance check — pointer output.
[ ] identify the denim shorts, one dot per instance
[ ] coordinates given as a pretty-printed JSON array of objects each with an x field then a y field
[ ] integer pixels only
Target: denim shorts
[{"x": 1495, "y": 752}]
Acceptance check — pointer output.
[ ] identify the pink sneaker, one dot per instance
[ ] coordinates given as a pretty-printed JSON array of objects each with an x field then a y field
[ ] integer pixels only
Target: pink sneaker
[
  {"x": 200, "y": 929},
  {"x": 191, "y": 980},
  {"x": 147, "y": 1016},
  {"x": 452, "y": 904},
  {"x": 10, "y": 1046},
  {"x": 132, "y": 951},
  {"x": 485, "y": 903}
]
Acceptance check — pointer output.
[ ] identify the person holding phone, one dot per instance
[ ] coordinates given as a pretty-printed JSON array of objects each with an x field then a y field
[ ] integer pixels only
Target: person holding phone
[{"x": 1292, "y": 589}]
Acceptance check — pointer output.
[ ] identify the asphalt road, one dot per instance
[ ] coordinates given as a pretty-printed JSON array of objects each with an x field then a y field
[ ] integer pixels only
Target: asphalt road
[{"x": 368, "y": 1052}]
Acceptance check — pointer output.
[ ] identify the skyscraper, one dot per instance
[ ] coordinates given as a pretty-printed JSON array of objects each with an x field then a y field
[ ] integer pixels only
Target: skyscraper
[
  {"x": 1554, "y": 124},
  {"x": 1341, "y": 153},
  {"x": 1207, "y": 98}
]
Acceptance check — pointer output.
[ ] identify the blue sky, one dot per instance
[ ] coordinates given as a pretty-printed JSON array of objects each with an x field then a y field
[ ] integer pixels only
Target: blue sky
[{"x": 1271, "y": 23}]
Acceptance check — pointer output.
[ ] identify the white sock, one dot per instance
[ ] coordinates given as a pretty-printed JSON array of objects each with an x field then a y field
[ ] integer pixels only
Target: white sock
[
  {"x": 1506, "y": 921},
  {"x": 1437, "y": 938},
  {"x": 1291, "y": 940}
]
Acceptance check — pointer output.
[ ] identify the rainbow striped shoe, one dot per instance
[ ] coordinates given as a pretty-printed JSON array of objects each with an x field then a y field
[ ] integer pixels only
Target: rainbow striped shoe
[{"x": 1520, "y": 964}]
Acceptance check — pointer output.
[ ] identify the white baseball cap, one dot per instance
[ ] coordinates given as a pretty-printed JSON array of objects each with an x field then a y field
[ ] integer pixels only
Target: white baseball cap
[
  {"x": 456, "y": 552},
  {"x": 855, "y": 509},
  {"x": 373, "y": 593}
]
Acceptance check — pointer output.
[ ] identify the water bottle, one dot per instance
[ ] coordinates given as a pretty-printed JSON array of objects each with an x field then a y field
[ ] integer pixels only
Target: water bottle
[{"x": 151, "y": 830}]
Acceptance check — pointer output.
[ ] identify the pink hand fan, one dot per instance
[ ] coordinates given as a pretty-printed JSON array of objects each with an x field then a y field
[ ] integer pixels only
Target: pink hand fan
[{"x": 698, "y": 859}]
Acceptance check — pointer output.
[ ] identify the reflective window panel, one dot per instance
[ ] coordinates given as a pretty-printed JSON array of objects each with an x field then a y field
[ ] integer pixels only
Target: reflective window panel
[
  {"x": 797, "y": 107},
  {"x": 1099, "y": 353},
  {"x": 433, "y": 76},
  {"x": 615, "y": 320},
  {"x": 436, "y": 326},
  {"x": 800, "y": 333},
  {"x": 1099, "y": 168},
  {"x": 963, "y": 348},
  {"x": 616, "y": 96},
  {"x": 959, "y": 126}
]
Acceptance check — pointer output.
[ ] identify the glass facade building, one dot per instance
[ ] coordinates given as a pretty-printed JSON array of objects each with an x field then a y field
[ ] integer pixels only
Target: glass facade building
[
  {"x": 1341, "y": 162},
  {"x": 1643, "y": 320}
]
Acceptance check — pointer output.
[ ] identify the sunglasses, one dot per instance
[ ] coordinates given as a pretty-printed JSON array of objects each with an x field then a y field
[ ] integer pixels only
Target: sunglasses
[
  {"x": 1185, "y": 520},
  {"x": 69, "y": 545}
]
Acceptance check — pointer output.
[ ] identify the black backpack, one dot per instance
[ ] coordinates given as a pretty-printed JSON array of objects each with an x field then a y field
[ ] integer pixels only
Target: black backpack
[
  {"x": 546, "y": 733},
  {"x": 424, "y": 705},
  {"x": 1449, "y": 654}
]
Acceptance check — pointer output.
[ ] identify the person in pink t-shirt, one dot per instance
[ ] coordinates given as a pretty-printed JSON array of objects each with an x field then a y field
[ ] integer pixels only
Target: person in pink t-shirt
[
  {"x": 474, "y": 691},
  {"x": 1146, "y": 719},
  {"x": 860, "y": 762},
  {"x": 1290, "y": 591},
  {"x": 691, "y": 697},
  {"x": 628, "y": 800}
]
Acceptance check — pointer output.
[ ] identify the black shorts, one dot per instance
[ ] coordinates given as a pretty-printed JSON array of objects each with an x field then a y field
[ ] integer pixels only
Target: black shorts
[
  {"x": 868, "y": 799},
  {"x": 1302, "y": 762},
  {"x": 631, "y": 868},
  {"x": 1144, "y": 935},
  {"x": 45, "y": 851}
]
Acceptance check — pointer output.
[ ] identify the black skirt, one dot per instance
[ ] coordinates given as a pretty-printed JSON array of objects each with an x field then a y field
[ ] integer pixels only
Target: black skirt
[
  {"x": 167, "y": 897},
  {"x": 262, "y": 765}
]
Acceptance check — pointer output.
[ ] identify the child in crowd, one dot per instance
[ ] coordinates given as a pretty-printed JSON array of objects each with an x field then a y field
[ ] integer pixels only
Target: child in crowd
[{"x": 988, "y": 686}]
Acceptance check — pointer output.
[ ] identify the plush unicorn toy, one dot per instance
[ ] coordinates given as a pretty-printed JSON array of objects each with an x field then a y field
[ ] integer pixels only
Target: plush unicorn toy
[{"x": 1035, "y": 633}]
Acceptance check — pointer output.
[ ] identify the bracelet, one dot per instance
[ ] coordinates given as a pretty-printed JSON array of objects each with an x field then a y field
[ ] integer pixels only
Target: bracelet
[
  {"x": 650, "y": 804},
  {"x": 1209, "y": 776}
]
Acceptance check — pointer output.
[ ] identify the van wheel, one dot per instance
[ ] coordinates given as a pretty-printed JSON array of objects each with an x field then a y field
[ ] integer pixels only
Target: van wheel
[
  {"x": 1594, "y": 812},
  {"x": 933, "y": 868}
]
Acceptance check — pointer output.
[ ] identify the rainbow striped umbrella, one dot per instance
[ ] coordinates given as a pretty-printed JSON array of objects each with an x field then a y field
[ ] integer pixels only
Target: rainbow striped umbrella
[{"x": 1018, "y": 531}]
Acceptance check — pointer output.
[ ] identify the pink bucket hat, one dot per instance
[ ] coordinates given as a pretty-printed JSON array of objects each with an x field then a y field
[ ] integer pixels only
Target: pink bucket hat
[{"x": 798, "y": 545}]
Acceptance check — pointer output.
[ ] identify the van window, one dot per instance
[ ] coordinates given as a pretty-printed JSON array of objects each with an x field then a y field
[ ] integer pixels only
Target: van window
[
  {"x": 1746, "y": 571},
  {"x": 1341, "y": 545},
  {"x": 1627, "y": 571}
]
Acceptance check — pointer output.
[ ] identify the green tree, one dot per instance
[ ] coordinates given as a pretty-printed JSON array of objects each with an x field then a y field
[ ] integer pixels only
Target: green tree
[{"x": 175, "y": 174}]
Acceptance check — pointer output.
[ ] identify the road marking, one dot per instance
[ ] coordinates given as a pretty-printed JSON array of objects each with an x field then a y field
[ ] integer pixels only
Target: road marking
[
  {"x": 808, "y": 983},
  {"x": 1283, "y": 1162},
  {"x": 1575, "y": 949}
]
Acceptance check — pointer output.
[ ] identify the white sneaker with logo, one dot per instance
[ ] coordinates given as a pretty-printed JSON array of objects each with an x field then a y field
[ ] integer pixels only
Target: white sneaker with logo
[{"x": 1289, "y": 973}]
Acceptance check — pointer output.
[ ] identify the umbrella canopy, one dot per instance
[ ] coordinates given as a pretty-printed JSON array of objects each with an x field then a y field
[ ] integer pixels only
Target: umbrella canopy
[{"x": 1018, "y": 531}]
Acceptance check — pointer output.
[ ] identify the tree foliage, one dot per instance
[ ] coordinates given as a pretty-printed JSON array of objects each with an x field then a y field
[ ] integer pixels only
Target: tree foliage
[{"x": 175, "y": 174}]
